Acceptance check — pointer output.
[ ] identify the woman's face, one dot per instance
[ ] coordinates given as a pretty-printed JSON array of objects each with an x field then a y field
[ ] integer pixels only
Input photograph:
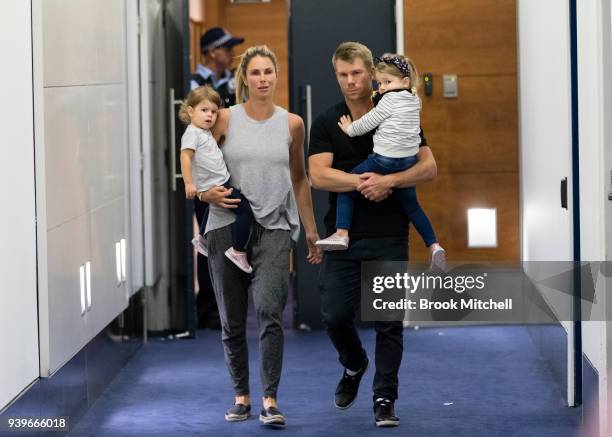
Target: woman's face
[{"x": 261, "y": 77}]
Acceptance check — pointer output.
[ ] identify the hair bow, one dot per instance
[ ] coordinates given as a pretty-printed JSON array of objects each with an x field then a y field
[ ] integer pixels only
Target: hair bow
[{"x": 399, "y": 63}]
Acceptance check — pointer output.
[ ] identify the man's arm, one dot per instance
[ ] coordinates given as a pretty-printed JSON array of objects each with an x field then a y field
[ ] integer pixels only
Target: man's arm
[
  {"x": 377, "y": 187},
  {"x": 324, "y": 177}
]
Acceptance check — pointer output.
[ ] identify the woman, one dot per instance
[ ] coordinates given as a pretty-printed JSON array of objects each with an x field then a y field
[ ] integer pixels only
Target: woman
[{"x": 263, "y": 146}]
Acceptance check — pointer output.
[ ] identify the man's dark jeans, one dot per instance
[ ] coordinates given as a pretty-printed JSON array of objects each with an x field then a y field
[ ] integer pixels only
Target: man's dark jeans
[{"x": 340, "y": 283}]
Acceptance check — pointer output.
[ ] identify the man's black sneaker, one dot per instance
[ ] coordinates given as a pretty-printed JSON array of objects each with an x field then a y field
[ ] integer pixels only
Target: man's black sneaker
[
  {"x": 384, "y": 413},
  {"x": 347, "y": 388},
  {"x": 238, "y": 412},
  {"x": 272, "y": 416}
]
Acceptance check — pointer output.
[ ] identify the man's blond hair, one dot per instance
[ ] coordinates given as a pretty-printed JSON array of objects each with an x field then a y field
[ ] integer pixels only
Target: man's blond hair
[{"x": 349, "y": 51}]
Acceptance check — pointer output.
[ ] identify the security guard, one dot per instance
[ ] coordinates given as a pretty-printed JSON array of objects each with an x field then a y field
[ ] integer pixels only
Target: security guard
[{"x": 217, "y": 47}]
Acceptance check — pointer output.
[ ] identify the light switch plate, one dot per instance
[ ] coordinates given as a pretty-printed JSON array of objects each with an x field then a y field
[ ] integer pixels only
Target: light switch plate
[{"x": 449, "y": 86}]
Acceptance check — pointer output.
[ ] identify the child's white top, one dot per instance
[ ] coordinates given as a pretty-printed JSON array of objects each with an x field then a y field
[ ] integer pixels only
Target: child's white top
[
  {"x": 398, "y": 122},
  {"x": 209, "y": 169}
]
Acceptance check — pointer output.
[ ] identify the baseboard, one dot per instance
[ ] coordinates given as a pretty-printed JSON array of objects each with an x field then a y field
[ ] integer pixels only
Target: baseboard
[{"x": 76, "y": 385}]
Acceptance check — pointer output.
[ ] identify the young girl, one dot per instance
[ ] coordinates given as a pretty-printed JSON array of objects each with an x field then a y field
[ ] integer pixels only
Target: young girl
[
  {"x": 199, "y": 111},
  {"x": 396, "y": 143}
]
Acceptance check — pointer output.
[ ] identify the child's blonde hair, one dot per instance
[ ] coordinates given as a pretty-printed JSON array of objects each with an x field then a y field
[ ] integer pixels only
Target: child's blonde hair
[
  {"x": 389, "y": 68},
  {"x": 242, "y": 91},
  {"x": 194, "y": 98}
]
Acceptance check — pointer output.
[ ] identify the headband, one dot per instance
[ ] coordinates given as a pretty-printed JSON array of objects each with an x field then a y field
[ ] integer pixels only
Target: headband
[{"x": 398, "y": 63}]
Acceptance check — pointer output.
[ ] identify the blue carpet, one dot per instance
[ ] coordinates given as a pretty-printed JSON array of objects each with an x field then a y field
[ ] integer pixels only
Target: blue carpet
[{"x": 492, "y": 378}]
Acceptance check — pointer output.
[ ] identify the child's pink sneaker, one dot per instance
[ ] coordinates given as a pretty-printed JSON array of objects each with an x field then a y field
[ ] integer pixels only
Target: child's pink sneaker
[
  {"x": 333, "y": 242},
  {"x": 199, "y": 243},
  {"x": 438, "y": 259},
  {"x": 240, "y": 259}
]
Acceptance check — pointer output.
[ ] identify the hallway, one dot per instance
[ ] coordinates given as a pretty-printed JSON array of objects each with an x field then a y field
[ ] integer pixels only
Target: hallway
[{"x": 492, "y": 378}]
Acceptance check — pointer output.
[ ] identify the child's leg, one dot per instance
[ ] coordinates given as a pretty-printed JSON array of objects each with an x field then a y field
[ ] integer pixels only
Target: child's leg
[
  {"x": 345, "y": 201},
  {"x": 244, "y": 217},
  {"x": 408, "y": 199},
  {"x": 344, "y": 210}
]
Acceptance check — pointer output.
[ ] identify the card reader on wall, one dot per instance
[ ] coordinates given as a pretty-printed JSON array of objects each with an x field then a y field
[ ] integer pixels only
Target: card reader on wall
[
  {"x": 428, "y": 81},
  {"x": 449, "y": 84}
]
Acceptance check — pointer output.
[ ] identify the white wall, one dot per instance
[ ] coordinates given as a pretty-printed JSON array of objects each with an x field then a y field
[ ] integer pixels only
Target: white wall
[
  {"x": 546, "y": 145},
  {"x": 18, "y": 324},
  {"x": 545, "y": 128},
  {"x": 595, "y": 99},
  {"x": 545, "y": 140}
]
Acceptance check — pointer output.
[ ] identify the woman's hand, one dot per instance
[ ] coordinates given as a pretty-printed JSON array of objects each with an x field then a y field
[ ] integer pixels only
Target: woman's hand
[
  {"x": 315, "y": 255},
  {"x": 190, "y": 191},
  {"x": 218, "y": 196},
  {"x": 344, "y": 123}
]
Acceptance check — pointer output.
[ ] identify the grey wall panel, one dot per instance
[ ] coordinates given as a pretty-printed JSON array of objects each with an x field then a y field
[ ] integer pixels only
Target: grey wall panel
[
  {"x": 82, "y": 125},
  {"x": 68, "y": 249},
  {"x": 85, "y": 149},
  {"x": 65, "y": 138},
  {"x": 134, "y": 207},
  {"x": 83, "y": 42},
  {"x": 109, "y": 296}
]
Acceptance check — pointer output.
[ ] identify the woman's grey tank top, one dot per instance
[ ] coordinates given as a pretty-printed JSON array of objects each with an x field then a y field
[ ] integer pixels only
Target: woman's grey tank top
[{"x": 257, "y": 156}]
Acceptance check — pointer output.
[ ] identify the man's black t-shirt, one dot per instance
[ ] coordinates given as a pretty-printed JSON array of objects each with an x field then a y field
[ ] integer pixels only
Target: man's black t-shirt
[{"x": 370, "y": 219}]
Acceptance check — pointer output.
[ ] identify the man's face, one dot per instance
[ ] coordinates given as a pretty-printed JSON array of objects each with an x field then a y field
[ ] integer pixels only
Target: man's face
[
  {"x": 223, "y": 56},
  {"x": 354, "y": 78}
]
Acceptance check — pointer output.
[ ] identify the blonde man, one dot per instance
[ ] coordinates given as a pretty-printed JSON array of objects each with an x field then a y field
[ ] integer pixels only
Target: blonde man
[{"x": 379, "y": 231}]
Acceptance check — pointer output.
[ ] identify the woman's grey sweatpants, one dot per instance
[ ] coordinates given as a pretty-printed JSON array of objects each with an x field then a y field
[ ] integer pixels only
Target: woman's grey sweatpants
[{"x": 268, "y": 252}]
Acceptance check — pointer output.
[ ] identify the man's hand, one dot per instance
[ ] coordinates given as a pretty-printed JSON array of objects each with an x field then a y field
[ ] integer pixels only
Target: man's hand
[
  {"x": 344, "y": 123},
  {"x": 375, "y": 187},
  {"x": 315, "y": 255},
  {"x": 190, "y": 191},
  {"x": 218, "y": 196}
]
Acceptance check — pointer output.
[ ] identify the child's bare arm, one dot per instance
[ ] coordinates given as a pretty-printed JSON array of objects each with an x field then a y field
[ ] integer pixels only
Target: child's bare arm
[{"x": 190, "y": 188}]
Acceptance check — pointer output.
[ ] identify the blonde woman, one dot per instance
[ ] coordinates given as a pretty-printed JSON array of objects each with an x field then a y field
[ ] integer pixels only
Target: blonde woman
[{"x": 263, "y": 146}]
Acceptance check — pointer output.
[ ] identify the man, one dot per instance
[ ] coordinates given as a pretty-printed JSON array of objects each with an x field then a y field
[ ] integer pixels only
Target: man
[
  {"x": 379, "y": 231},
  {"x": 217, "y": 47}
]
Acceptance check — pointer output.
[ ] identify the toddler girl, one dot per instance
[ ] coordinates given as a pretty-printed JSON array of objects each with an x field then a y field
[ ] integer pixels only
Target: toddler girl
[{"x": 199, "y": 111}]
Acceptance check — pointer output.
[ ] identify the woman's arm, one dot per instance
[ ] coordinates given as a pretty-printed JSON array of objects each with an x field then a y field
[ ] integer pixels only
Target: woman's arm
[
  {"x": 190, "y": 188},
  {"x": 219, "y": 130},
  {"x": 301, "y": 188}
]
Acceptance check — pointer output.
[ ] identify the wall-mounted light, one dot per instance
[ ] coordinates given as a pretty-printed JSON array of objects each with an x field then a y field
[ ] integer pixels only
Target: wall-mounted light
[
  {"x": 88, "y": 283},
  {"x": 82, "y": 276},
  {"x": 482, "y": 227},
  {"x": 118, "y": 262},
  {"x": 123, "y": 259}
]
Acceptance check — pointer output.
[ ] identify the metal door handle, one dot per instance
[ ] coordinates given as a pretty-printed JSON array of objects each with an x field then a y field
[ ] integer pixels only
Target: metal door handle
[
  {"x": 564, "y": 193},
  {"x": 308, "y": 111},
  {"x": 173, "y": 174}
]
